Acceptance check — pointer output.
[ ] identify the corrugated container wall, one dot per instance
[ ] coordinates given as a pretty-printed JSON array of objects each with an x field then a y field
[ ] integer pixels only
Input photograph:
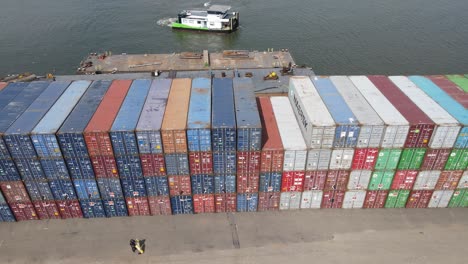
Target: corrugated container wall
[
  {"x": 397, "y": 126},
  {"x": 122, "y": 133},
  {"x": 174, "y": 137},
  {"x": 347, "y": 125},
  {"x": 223, "y": 119},
  {"x": 315, "y": 122},
  {"x": 449, "y": 104},
  {"x": 295, "y": 149},
  {"x": 451, "y": 89},
  {"x": 372, "y": 127},
  {"x": 199, "y": 116},
  {"x": 446, "y": 129},
  {"x": 249, "y": 127}
]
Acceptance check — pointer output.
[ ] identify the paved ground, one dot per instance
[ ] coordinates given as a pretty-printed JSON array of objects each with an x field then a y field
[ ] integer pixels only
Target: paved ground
[{"x": 308, "y": 236}]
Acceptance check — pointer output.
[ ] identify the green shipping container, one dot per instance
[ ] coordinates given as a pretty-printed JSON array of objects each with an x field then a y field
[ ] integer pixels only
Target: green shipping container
[
  {"x": 458, "y": 160},
  {"x": 388, "y": 159},
  {"x": 411, "y": 158},
  {"x": 460, "y": 81},
  {"x": 459, "y": 198},
  {"x": 381, "y": 180},
  {"x": 397, "y": 198}
]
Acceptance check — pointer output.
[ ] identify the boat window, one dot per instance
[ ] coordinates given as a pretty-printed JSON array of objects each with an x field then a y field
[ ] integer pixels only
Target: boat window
[{"x": 198, "y": 22}]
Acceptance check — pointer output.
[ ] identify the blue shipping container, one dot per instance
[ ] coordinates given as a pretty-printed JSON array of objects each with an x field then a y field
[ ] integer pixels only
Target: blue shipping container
[
  {"x": 63, "y": 189},
  {"x": 92, "y": 208},
  {"x": 224, "y": 162},
  {"x": 199, "y": 116},
  {"x": 39, "y": 190},
  {"x": 449, "y": 104},
  {"x": 182, "y": 204},
  {"x": 30, "y": 169},
  {"x": 134, "y": 187},
  {"x": 149, "y": 125},
  {"x": 8, "y": 171},
  {"x": 5, "y": 214},
  {"x": 55, "y": 169},
  {"x": 110, "y": 188},
  {"x": 17, "y": 136},
  {"x": 249, "y": 126},
  {"x": 86, "y": 189},
  {"x": 123, "y": 130},
  {"x": 247, "y": 202},
  {"x": 115, "y": 207},
  {"x": 70, "y": 135},
  {"x": 347, "y": 130},
  {"x": 9, "y": 93},
  {"x": 177, "y": 164},
  {"x": 270, "y": 182},
  {"x": 225, "y": 183},
  {"x": 80, "y": 168},
  {"x": 202, "y": 184},
  {"x": 157, "y": 185},
  {"x": 129, "y": 166},
  {"x": 223, "y": 117}
]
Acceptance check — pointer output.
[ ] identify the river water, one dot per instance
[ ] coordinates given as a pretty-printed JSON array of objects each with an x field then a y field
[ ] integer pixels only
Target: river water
[{"x": 331, "y": 36}]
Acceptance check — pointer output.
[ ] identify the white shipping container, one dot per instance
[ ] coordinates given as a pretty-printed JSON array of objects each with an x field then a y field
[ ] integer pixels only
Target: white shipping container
[
  {"x": 359, "y": 179},
  {"x": 372, "y": 126},
  {"x": 341, "y": 159},
  {"x": 290, "y": 200},
  {"x": 318, "y": 159},
  {"x": 316, "y": 123},
  {"x": 447, "y": 128},
  {"x": 440, "y": 199},
  {"x": 295, "y": 154},
  {"x": 354, "y": 199},
  {"x": 397, "y": 126},
  {"x": 463, "y": 183},
  {"x": 311, "y": 199},
  {"x": 426, "y": 180}
]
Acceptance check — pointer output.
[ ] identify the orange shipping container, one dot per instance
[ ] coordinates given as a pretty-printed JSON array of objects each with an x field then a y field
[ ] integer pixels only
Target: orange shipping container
[{"x": 174, "y": 124}]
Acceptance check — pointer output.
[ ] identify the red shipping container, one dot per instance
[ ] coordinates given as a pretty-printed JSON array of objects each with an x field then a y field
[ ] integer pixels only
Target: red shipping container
[
  {"x": 23, "y": 211},
  {"x": 105, "y": 167},
  {"x": 404, "y": 180},
  {"x": 226, "y": 202},
  {"x": 153, "y": 165},
  {"x": 69, "y": 209},
  {"x": 365, "y": 158},
  {"x": 421, "y": 126},
  {"x": 160, "y": 205},
  {"x": 451, "y": 89},
  {"x": 14, "y": 191},
  {"x": 272, "y": 151},
  {"x": 204, "y": 203},
  {"x": 180, "y": 185},
  {"x": 46, "y": 209},
  {"x": 97, "y": 131},
  {"x": 435, "y": 159},
  {"x": 315, "y": 180},
  {"x": 248, "y": 183},
  {"x": 333, "y": 199},
  {"x": 292, "y": 181},
  {"x": 448, "y": 180},
  {"x": 138, "y": 206},
  {"x": 248, "y": 162},
  {"x": 419, "y": 199},
  {"x": 375, "y": 199},
  {"x": 201, "y": 162},
  {"x": 268, "y": 201},
  {"x": 337, "y": 180}
]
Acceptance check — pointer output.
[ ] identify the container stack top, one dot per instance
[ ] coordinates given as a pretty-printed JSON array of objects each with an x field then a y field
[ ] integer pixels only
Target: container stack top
[
  {"x": 199, "y": 116},
  {"x": 2, "y": 85},
  {"x": 107, "y": 111},
  {"x": 79, "y": 118},
  {"x": 460, "y": 81},
  {"x": 129, "y": 113},
  {"x": 223, "y": 113},
  {"x": 12, "y": 108},
  {"x": 10, "y": 92},
  {"x": 271, "y": 136},
  {"x": 245, "y": 103},
  {"x": 57, "y": 114},
  {"x": 176, "y": 114},
  {"x": 152, "y": 115},
  {"x": 451, "y": 89}
]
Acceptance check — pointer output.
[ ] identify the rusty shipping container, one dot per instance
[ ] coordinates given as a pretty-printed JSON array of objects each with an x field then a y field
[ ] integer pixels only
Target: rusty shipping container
[
  {"x": 153, "y": 165},
  {"x": 315, "y": 180},
  {"x": 293, "y": 181},
  {"x": 203, "y": 203},
  {"x": 138, "y": 206},
  {"x": 180, "y": 185},
  {"x": 435, "y": 159},
  {"x": 248, "y": 162},
  {"x": 448, "y": 180},
  {"x": 268, "y": 201},
  {"x": 247, "y": 182},
  {"x": 14, "y": 191},
  {"x": 333, "y": 199},
  {"x": 404, "y": 180},
  {"x": 23, "y": 211},
  {"x": 419, "y": 199},
  {"x": 337, "y": 180},
  {"x": 69, "y": 209},
  {"x": 226, "y": 202},
  {"x": 46, "y": 209},
  {"x": 201, "y": 162},
  {"x": 375, "y": 199},
  {"x": 160, "y": 205}
]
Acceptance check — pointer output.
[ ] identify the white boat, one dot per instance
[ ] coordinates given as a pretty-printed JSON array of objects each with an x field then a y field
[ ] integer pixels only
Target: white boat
[{"x": 216, "y": 18}]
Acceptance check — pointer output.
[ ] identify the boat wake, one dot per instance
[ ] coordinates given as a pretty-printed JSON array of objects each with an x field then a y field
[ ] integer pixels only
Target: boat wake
[{"x": 166, "y": 21}]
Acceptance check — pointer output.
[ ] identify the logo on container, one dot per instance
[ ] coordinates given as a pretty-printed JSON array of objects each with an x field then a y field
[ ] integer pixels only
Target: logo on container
[{"x": 300, "y": 112}]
